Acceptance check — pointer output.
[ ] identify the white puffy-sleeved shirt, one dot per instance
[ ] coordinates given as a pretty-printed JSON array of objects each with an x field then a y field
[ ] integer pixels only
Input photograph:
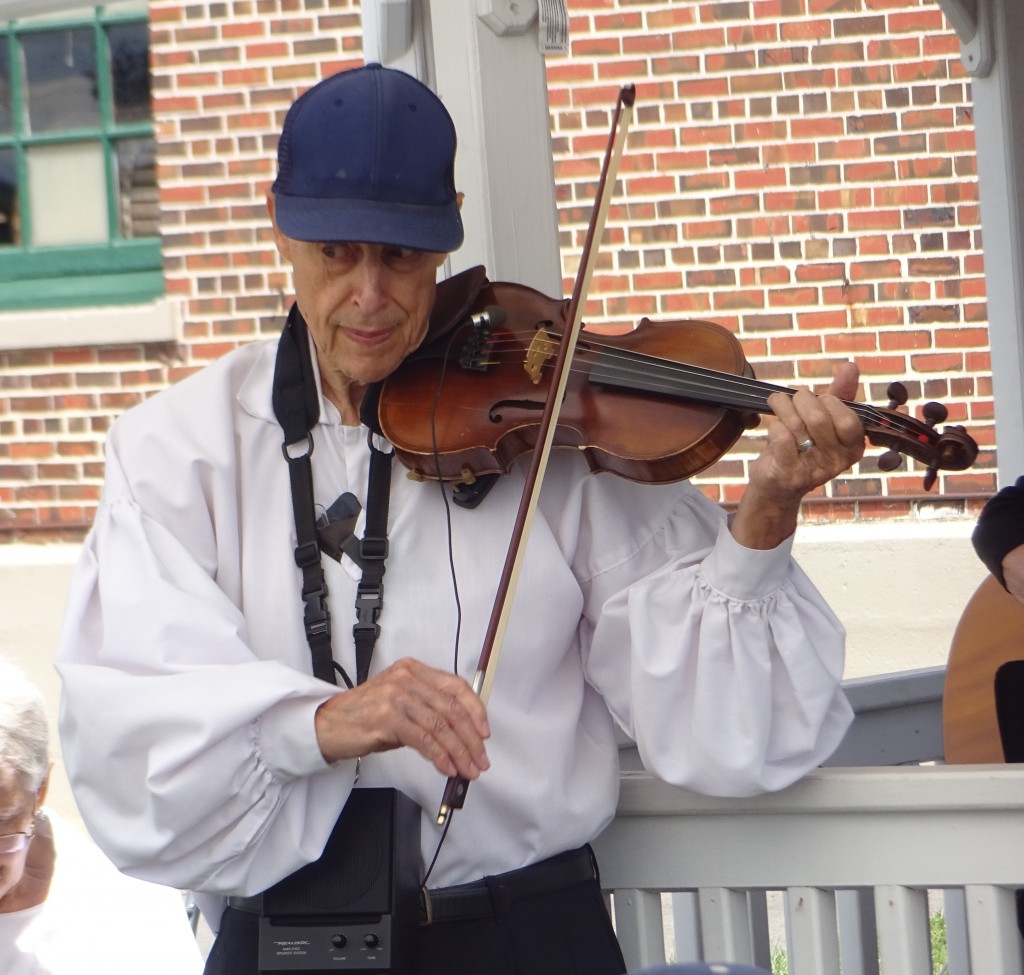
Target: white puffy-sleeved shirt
[
  {"x": 188, "y": 711},
  {"x": 97, "y": 921}
]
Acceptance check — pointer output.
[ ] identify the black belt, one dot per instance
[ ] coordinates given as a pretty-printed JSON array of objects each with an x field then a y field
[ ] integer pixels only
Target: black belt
[
  {"x": 251, "y": 905},
  {"x": 491, "y": 897}
]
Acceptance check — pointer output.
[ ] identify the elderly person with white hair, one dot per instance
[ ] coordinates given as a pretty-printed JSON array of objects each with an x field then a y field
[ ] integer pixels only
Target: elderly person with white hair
[{"x": 64, "y": 908}]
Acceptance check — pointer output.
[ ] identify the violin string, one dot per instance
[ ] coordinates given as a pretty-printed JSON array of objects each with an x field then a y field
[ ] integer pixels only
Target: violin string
[
  {"x": 743, "y": 392},
  {"x": 754, "y": 393},
  {"x": 679, "y": 377}
]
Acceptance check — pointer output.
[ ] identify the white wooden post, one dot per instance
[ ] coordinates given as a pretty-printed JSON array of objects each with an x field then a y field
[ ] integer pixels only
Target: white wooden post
[
  {"x": 483, "y": 59},
  {"x": 989, "y": 31}
]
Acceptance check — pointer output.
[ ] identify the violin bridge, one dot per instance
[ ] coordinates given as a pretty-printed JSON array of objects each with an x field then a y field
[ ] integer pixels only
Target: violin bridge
[{"x": 542, "y": 349}]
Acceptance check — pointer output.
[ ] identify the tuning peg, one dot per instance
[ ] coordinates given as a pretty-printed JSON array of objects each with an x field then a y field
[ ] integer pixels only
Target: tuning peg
[
  {"x": 892, "y": 459},
  {"x": 889, "y": 461},
  {"x": 897, "y": 394},
  {"x": 934, "y": 413}
]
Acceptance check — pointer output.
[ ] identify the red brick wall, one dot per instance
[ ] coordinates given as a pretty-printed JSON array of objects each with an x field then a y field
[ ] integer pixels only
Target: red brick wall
[{"x": 801, "y": 171}]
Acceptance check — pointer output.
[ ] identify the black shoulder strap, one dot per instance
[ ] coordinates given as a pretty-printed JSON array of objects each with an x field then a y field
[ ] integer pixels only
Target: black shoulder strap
[
  {"x": 297, "y": 408},
  {"x": 373, "y": 553},
  {"x": 296, "y": 404}
]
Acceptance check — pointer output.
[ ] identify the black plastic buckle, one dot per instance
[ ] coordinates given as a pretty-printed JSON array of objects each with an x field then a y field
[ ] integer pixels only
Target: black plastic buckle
[
  {"x": 317, "y": 618},
  {"x": 307, "y": 555},
  {"x": 369, "y": 603},
  {"x": 373, "y": 548}
]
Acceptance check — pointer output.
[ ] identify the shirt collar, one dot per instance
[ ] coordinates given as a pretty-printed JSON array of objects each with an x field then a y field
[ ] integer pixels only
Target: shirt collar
[{"x": 254, "y": 394}]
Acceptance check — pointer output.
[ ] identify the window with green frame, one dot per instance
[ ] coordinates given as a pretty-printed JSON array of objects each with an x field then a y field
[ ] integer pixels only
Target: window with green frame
[{"x": 79, "y": 211}]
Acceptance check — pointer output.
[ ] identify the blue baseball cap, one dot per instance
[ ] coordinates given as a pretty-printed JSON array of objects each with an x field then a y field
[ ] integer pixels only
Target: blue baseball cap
[{"x": 368, "y": 155}]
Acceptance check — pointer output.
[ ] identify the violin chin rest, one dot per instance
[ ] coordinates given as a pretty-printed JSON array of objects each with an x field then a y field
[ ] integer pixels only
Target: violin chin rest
[{"x": 454, "y": 300}]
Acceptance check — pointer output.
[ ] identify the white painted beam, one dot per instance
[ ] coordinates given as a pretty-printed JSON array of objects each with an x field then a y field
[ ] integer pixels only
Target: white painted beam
[{"x": 962, "y": 16}]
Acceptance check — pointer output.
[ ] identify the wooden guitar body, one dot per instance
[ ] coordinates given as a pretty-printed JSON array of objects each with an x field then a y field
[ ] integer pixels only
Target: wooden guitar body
[{"x": 989, "y": 634}]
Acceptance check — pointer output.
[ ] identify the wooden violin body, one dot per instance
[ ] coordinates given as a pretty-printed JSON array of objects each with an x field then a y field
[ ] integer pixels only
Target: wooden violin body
[
  {"x": 660, "y": 403},
  {"x": 481, "y": 419}
]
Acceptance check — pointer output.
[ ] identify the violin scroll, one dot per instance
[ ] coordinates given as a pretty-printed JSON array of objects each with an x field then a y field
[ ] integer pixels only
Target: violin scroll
[{"x": 949, "y": 450}]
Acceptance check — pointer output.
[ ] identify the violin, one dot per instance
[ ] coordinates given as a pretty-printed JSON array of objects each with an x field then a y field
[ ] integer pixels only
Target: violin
[{"x": 658, "y": 404}]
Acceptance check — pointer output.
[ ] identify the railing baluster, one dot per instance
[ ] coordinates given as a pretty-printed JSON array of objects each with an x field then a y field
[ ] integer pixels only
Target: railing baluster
[
  {"x": 992, "y": 930},
  {"x": 811, "y": 932},
  {"x": 902, "y": 918},
  {"x": 725, "y": 925},
  {"x": 639, "y": 927}
]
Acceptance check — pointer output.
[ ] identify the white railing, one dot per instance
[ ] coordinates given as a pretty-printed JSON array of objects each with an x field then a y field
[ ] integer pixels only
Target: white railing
[{"x": 837, "y": 871}]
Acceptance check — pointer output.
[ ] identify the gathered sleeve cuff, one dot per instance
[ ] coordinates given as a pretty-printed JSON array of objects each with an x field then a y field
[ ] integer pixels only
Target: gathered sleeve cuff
[{"x": 745, "y": 573}]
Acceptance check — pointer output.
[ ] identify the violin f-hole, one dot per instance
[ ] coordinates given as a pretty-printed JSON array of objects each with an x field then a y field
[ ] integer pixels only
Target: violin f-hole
[{"x": 528, "y": 405}]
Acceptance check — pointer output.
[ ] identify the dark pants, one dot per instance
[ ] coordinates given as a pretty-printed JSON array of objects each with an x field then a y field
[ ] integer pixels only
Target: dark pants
[{"x": 566, "y": 932}]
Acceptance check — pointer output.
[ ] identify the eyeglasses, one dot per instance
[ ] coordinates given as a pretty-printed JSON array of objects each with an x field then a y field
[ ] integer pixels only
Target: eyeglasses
[{"x": 16, "y": 842}]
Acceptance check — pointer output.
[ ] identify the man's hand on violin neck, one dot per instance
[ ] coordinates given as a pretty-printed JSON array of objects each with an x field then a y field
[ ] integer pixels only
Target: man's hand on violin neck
[
  {"x": 812, "y": 439},
  {"x": 409, "y": 704}
]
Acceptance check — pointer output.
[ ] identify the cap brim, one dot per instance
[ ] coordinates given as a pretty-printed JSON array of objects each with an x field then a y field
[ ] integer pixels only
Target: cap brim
[{"x": 424, "y": 228}]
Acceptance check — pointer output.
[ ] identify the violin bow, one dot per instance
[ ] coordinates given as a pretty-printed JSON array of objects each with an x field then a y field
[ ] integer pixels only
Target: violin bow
[{"x": 457, "y": 786}]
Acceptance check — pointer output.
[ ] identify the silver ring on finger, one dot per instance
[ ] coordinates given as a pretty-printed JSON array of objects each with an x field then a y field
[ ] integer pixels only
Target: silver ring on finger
[{"x": 804, "y": 445}]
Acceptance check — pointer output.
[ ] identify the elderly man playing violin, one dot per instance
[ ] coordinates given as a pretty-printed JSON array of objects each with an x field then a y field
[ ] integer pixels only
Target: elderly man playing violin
[{"x": 208, "y": 743}]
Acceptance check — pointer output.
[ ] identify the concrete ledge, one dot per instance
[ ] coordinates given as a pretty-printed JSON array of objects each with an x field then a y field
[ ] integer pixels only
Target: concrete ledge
[
  {"x": 899, "y": 588},
  {"x": 76, "y": 327}
]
